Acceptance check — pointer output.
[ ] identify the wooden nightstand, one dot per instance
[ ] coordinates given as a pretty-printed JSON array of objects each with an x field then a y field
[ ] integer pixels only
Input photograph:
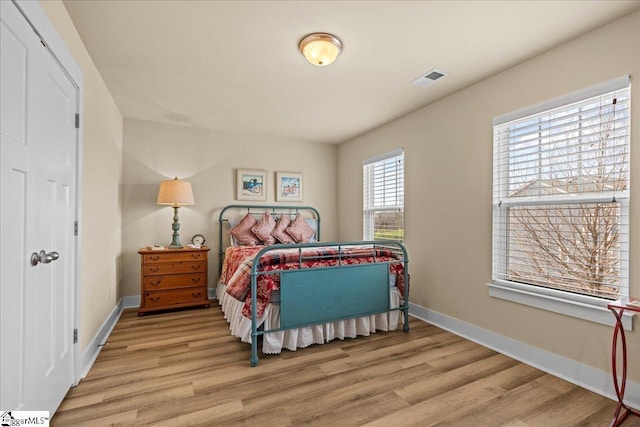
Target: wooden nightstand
[{"x": 173, "y": 278}]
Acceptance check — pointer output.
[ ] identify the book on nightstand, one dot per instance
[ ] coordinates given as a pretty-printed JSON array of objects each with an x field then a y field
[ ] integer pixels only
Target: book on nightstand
[{"x": 156, "y": 248}]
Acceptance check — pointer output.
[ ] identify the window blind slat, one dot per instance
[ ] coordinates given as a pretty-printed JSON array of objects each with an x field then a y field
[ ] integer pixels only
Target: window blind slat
[
  {"x": 383, "y": 197},
  {"x": 609, "y": 86},
  {"x": 561, "y": 181}
]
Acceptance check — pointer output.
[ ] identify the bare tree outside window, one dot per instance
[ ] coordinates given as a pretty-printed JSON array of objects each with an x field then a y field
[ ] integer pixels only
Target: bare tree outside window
[
  {"x": 569, "y": 247},
  {"x": 563, "y": 166}
]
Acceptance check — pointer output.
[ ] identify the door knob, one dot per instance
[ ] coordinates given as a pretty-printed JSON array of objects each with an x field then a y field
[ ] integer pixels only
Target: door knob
[{"x": 43, "y": 257}]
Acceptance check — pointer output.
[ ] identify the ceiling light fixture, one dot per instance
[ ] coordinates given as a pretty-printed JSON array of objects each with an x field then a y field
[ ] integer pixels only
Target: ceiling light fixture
[{"x": 320, "y": 48}]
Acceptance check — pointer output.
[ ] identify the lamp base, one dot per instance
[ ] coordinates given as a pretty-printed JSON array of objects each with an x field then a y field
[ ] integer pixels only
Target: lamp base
[{"x": 175, "y": 242}]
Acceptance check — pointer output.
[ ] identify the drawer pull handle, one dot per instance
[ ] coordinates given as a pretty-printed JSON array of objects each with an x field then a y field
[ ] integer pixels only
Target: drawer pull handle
[
  {"x": 195, "y": 279},
  {"x": 195, "y": 255},
  {"x": 195, "y": 266},
  {"x": 193, "y": 294},
  {"x": 154, "y": 269},
  {"x": 156, "y": 283},
  {"x": 155, "y": 299},
  {"x": 154, "y": 257}
]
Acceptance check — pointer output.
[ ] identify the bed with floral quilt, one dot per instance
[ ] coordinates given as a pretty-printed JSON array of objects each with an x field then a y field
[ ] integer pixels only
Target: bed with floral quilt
[{"x": 301, "y": 291}]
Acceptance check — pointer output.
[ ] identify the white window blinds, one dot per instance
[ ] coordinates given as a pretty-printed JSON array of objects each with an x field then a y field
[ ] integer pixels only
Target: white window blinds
[
  {"x": 383, "y": 197},
  {"x": 560, "y": 196}
]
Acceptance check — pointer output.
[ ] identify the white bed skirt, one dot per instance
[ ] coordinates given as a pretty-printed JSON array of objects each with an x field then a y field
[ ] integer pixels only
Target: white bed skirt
[{"x": 291, "y": 339}]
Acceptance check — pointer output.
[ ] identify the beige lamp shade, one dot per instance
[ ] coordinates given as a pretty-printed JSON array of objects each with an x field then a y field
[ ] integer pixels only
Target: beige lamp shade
[{"x": 175, "y": 192}]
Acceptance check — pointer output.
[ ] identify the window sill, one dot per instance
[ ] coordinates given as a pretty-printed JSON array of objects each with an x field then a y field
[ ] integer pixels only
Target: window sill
[{"x": 591, "y": 309}]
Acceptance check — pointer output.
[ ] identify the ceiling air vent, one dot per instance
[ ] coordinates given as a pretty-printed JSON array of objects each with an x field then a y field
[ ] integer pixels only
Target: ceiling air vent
[{"x": 428, "y": 78}]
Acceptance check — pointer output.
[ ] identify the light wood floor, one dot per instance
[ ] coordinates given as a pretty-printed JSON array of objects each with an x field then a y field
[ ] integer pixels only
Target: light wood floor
[{"x": 183, "y": 368}]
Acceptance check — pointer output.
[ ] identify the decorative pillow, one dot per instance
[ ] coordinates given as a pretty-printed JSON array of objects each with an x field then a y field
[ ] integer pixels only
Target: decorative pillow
[
  {"x": 242, "y": 231},
  {"x": 280, "y": 233},
  {"x": 314, "y": 225},
  {"x": 300, "y": 230},
  {"x": 232, "y": 223},
  {"x": 263, "y": 229}
]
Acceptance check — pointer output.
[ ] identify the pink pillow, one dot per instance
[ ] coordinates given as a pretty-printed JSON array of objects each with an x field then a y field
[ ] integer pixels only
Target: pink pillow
[
  {"x": 263, "y": 229},
  {"x": 280, "y": 233},
  {"x": 300, "y": 230},
  {"x": 242, "y": 231}
]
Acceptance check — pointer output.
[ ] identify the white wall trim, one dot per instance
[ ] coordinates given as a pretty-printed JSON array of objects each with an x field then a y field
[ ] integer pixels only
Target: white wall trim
[
  {"x": 599, "y": 89},
  {"x": 545, "y": 300},
  {"x": 577, "y": 373},
  {"x": 38, "y": 19},
  {"x": 90, "y": 354},
  {"x": 132, "y": 301}
]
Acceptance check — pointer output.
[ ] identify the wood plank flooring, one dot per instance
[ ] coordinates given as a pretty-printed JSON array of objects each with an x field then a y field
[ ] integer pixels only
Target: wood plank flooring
[{"x": 184, "y": 369}]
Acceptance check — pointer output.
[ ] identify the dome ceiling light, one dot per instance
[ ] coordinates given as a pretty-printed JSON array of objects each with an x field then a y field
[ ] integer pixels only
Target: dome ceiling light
[{"x": 320, "y": 49}]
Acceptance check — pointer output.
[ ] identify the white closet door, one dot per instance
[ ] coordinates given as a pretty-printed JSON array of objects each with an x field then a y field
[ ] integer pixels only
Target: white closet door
[{"x": 38, "y": 104}]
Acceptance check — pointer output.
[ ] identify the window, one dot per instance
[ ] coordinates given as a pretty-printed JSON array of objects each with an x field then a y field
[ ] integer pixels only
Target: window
[
  {"x": 383, "y": 190},
  {"x": 561, "y": 197}
]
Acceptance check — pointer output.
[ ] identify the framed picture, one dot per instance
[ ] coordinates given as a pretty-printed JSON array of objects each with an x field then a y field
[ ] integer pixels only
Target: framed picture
[
  {"x": 251, "y": 184},
  {"x": 288, "y": 187}
]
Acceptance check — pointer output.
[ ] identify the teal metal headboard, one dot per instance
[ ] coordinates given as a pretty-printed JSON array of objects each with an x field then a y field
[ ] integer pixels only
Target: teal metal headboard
[{"x": 258, "y": 210}]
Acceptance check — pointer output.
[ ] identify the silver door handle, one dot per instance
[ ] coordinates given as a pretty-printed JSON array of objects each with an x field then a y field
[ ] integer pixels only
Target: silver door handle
[{"x": 44, "y": 257}]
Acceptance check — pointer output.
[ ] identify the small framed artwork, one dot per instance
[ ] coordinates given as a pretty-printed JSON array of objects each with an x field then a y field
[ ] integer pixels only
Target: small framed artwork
[
  {"x": 251, "y": 184},
  {"x": 288, "y": 187}
]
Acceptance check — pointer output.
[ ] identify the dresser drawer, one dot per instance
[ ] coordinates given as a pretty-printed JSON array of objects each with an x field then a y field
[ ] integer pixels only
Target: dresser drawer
[
  {"x": 154, "y": 283},
  {"x": 173, "y": 256},
  {"x": 166, "y": 299},
  {"x": 173, "y": 279},
  {"x": 174, "y": 268}
]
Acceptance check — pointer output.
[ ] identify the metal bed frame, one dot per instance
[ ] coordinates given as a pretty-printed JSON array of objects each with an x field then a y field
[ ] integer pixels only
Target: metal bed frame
[{"x": 310, "y": 296}]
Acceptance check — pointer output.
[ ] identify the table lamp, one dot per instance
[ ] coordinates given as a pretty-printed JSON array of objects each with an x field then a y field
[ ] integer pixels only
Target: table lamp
[{"x": 175, "y": 193}]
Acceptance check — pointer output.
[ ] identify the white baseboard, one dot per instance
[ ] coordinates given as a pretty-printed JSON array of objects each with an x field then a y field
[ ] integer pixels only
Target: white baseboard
[
  {"x": 577, "y": 373},
  {"x": 90, "y": 354},
  {"x": 131, "y": 301}
]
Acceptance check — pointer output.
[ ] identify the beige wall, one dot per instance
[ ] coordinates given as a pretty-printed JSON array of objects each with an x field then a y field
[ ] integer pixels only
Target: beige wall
[
  {"x": 119, "y": 184},
  {"x": 101, "y": 225},
  {"x": 208, "y": 159},
  {"x": 448, "y": 187},
  {"x": 448, "y": 176}
]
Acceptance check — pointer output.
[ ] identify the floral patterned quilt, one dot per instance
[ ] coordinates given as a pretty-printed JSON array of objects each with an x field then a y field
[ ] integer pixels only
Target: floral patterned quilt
[{"x": 236, "y": 268}]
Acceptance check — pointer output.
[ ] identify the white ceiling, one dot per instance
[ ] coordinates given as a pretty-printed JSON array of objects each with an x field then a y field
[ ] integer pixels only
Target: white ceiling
[{"x": 234, "y": 66}]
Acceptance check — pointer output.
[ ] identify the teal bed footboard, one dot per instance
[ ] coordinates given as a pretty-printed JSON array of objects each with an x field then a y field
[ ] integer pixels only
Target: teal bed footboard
[
  {"x": 322, "y": 282},
  {"x": 310, "y": 296},
  {"x": 320, "y": 296}
]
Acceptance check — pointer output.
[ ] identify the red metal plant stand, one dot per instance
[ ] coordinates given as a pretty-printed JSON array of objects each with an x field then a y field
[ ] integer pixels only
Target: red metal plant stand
[{"x": 622, "y": 410}]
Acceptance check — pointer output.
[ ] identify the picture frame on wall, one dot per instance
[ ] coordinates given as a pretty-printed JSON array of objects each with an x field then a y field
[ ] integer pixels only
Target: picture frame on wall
[
  {"x": 251, "y": 184},
  {"x": 288, "y": 187}
]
